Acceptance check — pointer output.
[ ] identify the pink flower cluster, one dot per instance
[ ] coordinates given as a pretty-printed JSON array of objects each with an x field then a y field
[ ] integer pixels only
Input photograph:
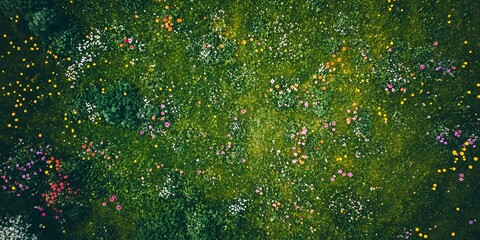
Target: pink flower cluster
[{"x": 342, "y": 173}]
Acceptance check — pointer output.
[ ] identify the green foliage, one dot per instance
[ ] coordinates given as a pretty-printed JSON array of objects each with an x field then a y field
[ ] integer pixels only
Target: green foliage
[
  {"x": 44, "y": 22},
  {"x": 120, "y": 104}
]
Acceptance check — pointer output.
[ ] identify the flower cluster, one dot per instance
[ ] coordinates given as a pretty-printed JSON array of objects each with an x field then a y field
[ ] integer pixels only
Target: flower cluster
[
  {"x": 300, "y": 141},
  {"x": 283, "y": 94},
  {"x": 111, "y": 200},
  {"x": 129, "y": 43},
  {"x": 15, "y": 228},
  {"x": 25, "y": 171},
  {"x": 88, "y": 50},
  {"x": 166, "y": 22},
  {"x": 91, "y": 150},
  {"x": 341, "y": 173}
]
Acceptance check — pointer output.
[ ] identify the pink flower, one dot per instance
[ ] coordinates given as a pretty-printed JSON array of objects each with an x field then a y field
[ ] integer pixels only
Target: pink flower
[
  {"x": 119, "y": 207},
  {"x": 350, "y": 174},
  {"x": 44, "y": 214},
  {"x": 422, "y": 66},
  {"x": 461, "y": 175},
  {"x": 162, "y": 105},
  {"x": 125, "y": 40},
  {"x": 243, "y": 111},
  {"x": 167, "y": 124},
  {"x": 435, "y": 43},
  {"x": 104, "y": 204},
  {"x": 340, "y": 171},
  {"x": 334, "y": 123},
  {"x": 130, "y": 40},
  {"x": 460, "y": 179},
  {"x": 332, "y": 179},
  {"x": 199, "y": 171},
  {"x": 141, "y": 132},
  {"x": 131, "y": 47},
  {"x": 112, "y": 198},
  {"x": 57, "y": 217}
]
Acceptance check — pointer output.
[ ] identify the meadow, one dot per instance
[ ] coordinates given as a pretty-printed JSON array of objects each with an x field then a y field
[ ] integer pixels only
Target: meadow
[{"x": 316, "y": 119}]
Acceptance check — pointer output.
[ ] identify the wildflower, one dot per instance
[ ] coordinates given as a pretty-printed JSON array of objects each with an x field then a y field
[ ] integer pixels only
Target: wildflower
[
  {"x": 350, "y": 174},
  {"x": 119, "y": 207},
  {"x": 167, "y": 124},
  {"x": 104, "y": 204},
  {"x": 422, "y": 66},
  {"x": 435, "y": 43}
]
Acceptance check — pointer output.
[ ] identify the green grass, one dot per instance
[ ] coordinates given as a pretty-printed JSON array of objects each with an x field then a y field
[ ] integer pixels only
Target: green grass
[{"x": 232, "y": 161}]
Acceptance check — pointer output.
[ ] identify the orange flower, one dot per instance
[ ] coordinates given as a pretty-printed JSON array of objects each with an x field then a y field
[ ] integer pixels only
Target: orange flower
[
  {"x": 324, "y": 88},
  {"x": 179, "y": 20},
  {"x": 344, "y": 49},
  {"x": 170, "y": 29},
  {"x": 121, "y": 45},
  {"x": 165, "y": 19},
  {"x": 84, "y": 146},
  {"x": 93, "y": 154}
]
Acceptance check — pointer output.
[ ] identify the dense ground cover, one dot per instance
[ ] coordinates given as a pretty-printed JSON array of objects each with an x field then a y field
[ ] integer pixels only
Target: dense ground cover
[{"x": 129, "y": 119}]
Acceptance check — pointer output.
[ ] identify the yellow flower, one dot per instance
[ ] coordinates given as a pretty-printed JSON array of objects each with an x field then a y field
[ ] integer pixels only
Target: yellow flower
[{"x": 13, "y": 188}]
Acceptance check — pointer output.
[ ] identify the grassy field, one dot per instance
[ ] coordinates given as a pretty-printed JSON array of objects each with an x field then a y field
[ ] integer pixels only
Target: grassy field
[{"x": 130, "y": 119}]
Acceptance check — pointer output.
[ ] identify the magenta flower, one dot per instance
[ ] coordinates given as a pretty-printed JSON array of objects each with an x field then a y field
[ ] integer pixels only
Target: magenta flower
[{"x": 119, "y": 207}]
